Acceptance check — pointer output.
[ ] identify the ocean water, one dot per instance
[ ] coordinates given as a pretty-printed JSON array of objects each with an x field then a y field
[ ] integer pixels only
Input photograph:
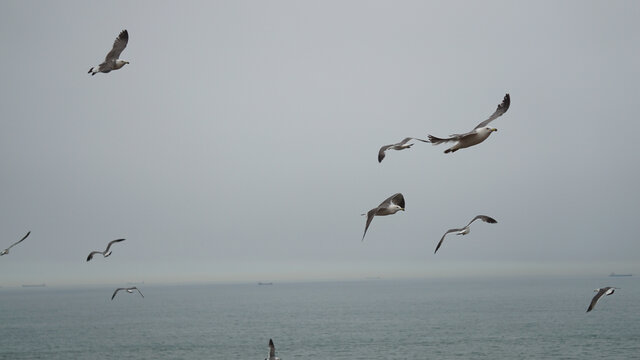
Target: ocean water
[{"x": 527, "y": 318}]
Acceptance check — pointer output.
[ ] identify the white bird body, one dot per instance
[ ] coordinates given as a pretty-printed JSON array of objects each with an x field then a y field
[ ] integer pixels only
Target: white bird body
[
  {"x": 119, "y": 63},
  {"x": 479, "y": 134},
  {"x": 464, "y": 231},
  {"x": 111, "y": 61},
  {"x": 389, "y": 206}
]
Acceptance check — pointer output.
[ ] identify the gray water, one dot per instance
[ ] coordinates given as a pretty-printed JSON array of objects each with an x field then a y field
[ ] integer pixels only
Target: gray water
[{"x": 529, "y": 318}]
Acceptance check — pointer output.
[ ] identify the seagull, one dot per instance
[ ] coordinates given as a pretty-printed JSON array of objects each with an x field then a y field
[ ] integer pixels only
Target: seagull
[
  {"x": 129, "y": 290},
  {"x": 390, "y": 206},
  {"x": 6, "y": 251},
  {"x": 111, "y": 62},
  {"x": 479, "y": 134},
  {"x": 272, "y": 351},
  {"x": 465, "y": 230},
  {"x": 399, "y": 146},
  {"x": 106, "y": 252},
  {"x": 602, "y": 291}
]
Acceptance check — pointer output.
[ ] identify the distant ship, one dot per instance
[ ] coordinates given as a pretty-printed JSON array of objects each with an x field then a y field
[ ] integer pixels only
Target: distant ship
[
  {"x": 34, "y": 285},
  {"x": 619, "y": 275},
  {"x": 265, "y": 283}
]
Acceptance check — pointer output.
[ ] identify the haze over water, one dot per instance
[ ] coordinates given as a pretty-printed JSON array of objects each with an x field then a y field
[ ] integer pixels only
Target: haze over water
[{"x": 488, "y": 318}]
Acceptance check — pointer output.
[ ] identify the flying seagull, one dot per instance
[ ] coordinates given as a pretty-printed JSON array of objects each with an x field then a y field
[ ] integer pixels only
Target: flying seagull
[
  {"x": 106, "y": 251},
  {"x": 390, "y": 206},
  {"x": 399, "y": 146},
  {"x": 6, "y": 251},
  {"x": 465, "y": 230},
  {"x": 602, "y": 291},
  {"x": 479, "y": 134},
  {"x": 111, "y": 62},
  {"x": 272, "y": 351},
  {"x": 129, "y": 290}
]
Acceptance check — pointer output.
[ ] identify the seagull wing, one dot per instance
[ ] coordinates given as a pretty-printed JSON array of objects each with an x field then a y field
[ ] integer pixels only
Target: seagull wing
[
  {"x": 484, "y": 218},
  {"x": 370, "y": 216},
  {"x": 118, "y": 46},
  {"x": 272, "y": 349},
  {"x": 111, "y": 243},
  {"x": 19, "y": 241},
  {"x": 397, "y": 199},
  {"x": 442, "y": 239},
  {"x": 502, "y": 108},
  {"x": 596, "y": 298},
  {"x": 455, "y": 137},
  {"x": 93, "y": 253},
  {"x": 381, "y": 153},
  {"x": 135, "y": 288},
  {"x": 406, "y": 140},
  {"x": 115, "y": 292}
]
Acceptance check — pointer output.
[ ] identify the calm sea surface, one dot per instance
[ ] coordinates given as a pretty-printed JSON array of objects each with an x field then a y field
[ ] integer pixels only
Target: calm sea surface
[{"x": 529, "y": 318}]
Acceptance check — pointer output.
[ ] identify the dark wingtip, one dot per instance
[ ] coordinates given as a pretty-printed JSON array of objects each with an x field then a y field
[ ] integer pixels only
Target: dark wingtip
[
  {"x": 447, "y": 151},
  {"x": 124, "y": 35}
]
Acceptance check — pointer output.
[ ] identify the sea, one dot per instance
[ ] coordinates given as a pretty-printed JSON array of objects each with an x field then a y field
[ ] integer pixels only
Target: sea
[{"x": 480, "y": 318}]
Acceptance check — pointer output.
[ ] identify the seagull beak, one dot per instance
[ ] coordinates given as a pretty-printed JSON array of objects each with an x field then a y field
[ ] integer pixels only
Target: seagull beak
[
  {"x": 402, "y": 209},
  {"x": 494, "y": 129}
]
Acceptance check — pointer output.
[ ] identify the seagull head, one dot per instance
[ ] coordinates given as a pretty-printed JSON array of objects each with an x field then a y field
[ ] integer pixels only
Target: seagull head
[
  {"x": 4, "y": 252},
  {"x": 490, "y": 129}
]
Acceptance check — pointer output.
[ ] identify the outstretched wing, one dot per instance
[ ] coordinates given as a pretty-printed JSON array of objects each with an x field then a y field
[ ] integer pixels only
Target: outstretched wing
[
  {"x": 406, "y": 140},
  {"x": 596, "y": 298},
  {"x": 19, "y": 241},
  {"x": 272, "y": 349},
  {"x": 455, "y": 137},
  {"x": 502, "y": 108},
  {"x": 93, "y": 253},
  {"x": 118, "y": 46},
  {"x": 111, "y": 243},
  {"x": 135, "y": 288},
  {"x": 115, "y": 292},
  {"x": 370, "y": 216},
  {"x": 442, "y": 239},
  {"x": 381, "y": 153},
  {"x": 396, "y": 198},
  {"x": 484, "y": 218}
]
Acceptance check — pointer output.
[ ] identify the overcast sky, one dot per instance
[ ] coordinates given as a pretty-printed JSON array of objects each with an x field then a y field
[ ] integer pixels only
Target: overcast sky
[{"x": 240, "y": 143}]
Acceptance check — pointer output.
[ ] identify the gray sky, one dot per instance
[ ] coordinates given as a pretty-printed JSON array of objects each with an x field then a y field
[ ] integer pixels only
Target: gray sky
[{"x": 241, "y": 141}]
